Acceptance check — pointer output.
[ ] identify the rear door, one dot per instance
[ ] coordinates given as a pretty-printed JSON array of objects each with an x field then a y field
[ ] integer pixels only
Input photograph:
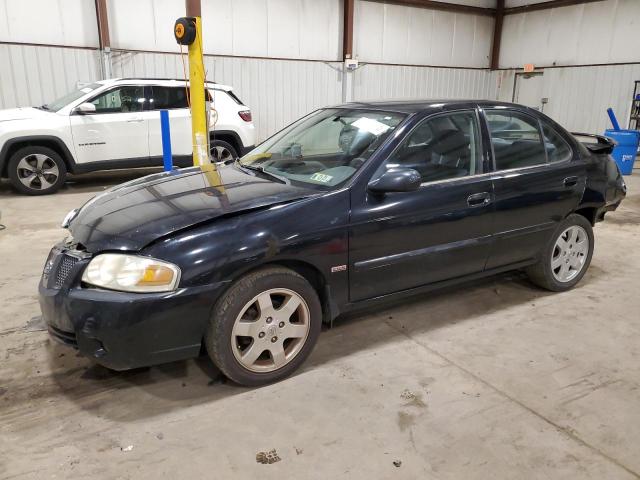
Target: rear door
[
  {"x": 443, "y": 230},
  {"x": 117, "y": 130},
  {"x": 175, "y": 100},
  {"x": 537, "y": 183}
]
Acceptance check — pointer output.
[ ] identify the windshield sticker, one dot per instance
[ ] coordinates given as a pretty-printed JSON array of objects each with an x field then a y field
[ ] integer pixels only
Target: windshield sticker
[
  {"x": 321, "y": 177},
  {"x": 370, "y": 125}
]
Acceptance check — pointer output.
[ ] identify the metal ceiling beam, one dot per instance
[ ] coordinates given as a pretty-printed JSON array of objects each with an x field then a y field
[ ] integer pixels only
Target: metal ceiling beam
[
  {"x": 347, "y": 30},
  {"x": 443, "y": 6},
  {"x": 103, "y": 24},
  {"x": 497, "y": 35},
  {"x": 533, "y": 7}
]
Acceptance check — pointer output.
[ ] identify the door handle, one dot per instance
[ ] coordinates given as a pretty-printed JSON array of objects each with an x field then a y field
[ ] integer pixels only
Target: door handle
[
  {"x": 478, "y": 199},
  {"x": 570, "y": 181},
  {"x": 135, "y": 120}
]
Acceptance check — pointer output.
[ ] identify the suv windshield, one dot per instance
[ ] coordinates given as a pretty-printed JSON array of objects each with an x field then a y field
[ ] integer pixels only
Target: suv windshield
[
  {"x": 326, "y": 148},
  {"x": 70, "y": 97}
]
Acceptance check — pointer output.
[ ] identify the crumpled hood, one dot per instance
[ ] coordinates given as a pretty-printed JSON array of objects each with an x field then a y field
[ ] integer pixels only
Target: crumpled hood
[
  {"x": 134, "y": 214},
  {"x": 25, "y": 113}
]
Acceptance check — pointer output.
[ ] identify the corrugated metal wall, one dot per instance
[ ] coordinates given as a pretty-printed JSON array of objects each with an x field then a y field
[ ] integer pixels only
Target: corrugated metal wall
[
  {"x": 33, "y": 75},
  {"x": 579, "y": 96},
  {"x": 386, "y": 81}
]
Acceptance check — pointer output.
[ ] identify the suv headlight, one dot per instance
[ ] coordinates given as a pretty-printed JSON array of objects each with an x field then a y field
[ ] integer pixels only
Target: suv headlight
[{"x": 131, "y": 273}]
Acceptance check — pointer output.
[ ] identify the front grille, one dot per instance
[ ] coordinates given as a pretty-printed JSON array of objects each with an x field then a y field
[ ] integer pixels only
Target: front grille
[
  {"x": 64, "y": 268},
  {"x": 68, "y": 338}
]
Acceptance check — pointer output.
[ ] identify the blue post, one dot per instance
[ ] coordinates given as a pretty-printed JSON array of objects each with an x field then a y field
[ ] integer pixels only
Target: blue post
[
  {"x": 614, "y": 120},
  {"x": 166, "y": 140}
]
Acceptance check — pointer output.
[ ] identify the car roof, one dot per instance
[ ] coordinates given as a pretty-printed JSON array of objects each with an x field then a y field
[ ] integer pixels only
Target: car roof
[
  {"x": 169, "y": 82},
  {"x": 426, "y": 105}
]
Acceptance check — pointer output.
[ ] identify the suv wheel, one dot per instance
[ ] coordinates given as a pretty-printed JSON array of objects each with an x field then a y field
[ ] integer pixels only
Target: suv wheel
[
  {"x": 222, "y": 152},
  {"x": 264, "y": 327},
  {"x": 566, "y": 257},
  {"x": 36, "y": 170}
]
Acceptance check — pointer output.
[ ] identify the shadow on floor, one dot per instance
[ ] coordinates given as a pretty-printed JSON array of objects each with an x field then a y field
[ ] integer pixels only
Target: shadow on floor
[{"x": 141, "y": 393}]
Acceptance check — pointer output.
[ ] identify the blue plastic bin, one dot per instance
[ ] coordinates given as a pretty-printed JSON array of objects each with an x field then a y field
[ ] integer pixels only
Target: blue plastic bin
[{"x": 625, "y": 152}]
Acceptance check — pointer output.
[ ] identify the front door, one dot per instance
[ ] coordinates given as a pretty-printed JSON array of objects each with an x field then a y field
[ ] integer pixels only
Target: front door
[
  {"x": 443, "y": 230},
  {"x": 117, "y": 130},
  {"x": 537, "y": 182}
]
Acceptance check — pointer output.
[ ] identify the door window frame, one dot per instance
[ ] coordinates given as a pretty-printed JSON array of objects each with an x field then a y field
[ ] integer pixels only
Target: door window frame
[
  {"x": 540, "y": 132},
  {"x": 480, "y": 160}
]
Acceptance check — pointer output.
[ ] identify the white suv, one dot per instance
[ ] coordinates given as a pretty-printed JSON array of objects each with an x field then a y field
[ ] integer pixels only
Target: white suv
[{"x": 114, "y": 124}]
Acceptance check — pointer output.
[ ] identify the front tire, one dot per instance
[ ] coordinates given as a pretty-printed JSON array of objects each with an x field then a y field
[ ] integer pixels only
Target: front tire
[
  {"x": 36, "y": 170},
  {"x": 264, "y": 327},
  {"x": 566, "y": 257}
]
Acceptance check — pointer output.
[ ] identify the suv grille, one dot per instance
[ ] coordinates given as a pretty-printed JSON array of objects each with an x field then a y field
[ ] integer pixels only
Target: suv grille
[{"x": 64, "y": 268}]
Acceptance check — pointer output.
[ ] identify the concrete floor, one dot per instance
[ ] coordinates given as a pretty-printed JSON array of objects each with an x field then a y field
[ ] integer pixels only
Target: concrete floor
[{"x": 494, "y": 379}]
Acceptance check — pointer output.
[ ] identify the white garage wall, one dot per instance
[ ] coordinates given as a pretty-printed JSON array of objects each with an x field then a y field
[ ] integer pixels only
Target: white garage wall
[
  {"x": 51, "y": 22},
  {"x": 576, "y": 35},
  {"x": 386, "y": 33},
  {"x": 579, "y": 96},
  {"x": 303, "y": 29}
]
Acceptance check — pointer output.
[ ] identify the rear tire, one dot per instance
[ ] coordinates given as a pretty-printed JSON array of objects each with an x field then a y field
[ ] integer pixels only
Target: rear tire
[
  {"x": 36, "y": 170},
  {"x": 264, "y": 327},
  {"x": 566, "y": 257}
]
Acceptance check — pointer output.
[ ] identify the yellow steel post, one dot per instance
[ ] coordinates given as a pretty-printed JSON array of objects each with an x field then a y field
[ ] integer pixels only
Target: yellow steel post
[{"x": 200, "y": 134}]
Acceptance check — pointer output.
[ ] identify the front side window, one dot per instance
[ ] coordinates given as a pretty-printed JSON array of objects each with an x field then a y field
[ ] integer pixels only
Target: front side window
[
  {"x": 442, "y": 147},
  {"x": 326, "y": 148},
  {"x": 516, "y": 140},
  {"x": 120, "y": 100}
]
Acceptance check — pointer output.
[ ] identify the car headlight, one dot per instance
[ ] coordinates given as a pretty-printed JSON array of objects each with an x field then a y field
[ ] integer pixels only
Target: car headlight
[{"x": 131, "y": 273}]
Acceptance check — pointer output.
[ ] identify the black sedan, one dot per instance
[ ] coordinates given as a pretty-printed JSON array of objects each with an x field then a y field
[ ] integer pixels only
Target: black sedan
[{"x": 352, "y": 204}]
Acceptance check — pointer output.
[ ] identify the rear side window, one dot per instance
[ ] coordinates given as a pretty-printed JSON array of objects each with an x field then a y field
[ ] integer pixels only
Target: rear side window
[
  {"x": 167, "y": 98},
  {"x": 516, "y": 140},
  {"x": 558, "y": 150}
]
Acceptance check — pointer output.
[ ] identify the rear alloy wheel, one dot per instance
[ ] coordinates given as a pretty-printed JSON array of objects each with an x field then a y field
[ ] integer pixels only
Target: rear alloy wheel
[
  {"x": 36, "y": 170},
  {"x": 566, "y": 257},
  {"x": 222, "y": 152},
  {"x": 264, "y": 327}
]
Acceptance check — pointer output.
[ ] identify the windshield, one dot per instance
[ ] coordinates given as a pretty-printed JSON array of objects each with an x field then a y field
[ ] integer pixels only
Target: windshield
[
  {"x": 70, "y": 97},
  {"x": 325, "y": 148}
]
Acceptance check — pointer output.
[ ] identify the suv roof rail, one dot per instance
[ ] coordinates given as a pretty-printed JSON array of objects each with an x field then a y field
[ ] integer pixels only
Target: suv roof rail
[{"x": 156, "y": 78}]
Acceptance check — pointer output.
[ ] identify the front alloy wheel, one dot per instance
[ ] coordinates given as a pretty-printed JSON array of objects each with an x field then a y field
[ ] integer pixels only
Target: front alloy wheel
[
  {"x": 270, "y": 330},
  {"x": 36, "y": 170},
  {"x": 264, "y": 327}
]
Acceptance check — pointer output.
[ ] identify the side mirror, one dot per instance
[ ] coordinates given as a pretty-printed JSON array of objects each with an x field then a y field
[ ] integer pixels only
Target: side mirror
[
  {"x": 85, "y": 108},
  {"x": 396, "y": 180}
]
